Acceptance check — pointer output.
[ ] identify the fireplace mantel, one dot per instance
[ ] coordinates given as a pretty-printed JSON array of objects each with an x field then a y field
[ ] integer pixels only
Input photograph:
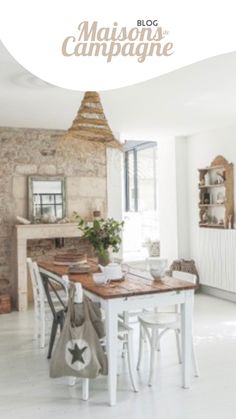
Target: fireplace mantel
[{"x": 22, "y": 233}]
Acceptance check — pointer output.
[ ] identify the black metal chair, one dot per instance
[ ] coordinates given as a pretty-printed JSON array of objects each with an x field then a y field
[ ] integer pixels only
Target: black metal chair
[{"x": 57, "y": 305}]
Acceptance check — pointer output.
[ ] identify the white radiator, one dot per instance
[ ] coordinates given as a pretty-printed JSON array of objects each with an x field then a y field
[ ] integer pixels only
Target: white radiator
[{"x": 217, "y": 258}]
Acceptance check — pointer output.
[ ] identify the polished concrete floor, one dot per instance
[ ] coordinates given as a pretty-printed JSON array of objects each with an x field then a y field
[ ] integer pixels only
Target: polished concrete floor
[{"x": 26, "y": 391}]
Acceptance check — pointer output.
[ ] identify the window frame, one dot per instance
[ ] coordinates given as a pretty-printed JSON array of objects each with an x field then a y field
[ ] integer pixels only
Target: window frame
[{"x": 134, "y": 150}]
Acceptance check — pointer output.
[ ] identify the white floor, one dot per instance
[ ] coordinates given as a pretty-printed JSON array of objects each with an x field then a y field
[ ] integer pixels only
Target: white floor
[{"x": 26, "y": 391}]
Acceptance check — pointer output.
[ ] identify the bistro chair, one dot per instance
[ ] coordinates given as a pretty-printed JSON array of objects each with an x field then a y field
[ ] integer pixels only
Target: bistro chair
[
  {"x": 154, "y": 325},
  {"x": 58, "y": 309},
  {"x": 42, "y": 310},
  {"x": 57, "y": 304}
]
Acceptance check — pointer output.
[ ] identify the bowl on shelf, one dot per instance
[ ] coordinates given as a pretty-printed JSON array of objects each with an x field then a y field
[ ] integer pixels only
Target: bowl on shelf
[{"x": 157, "y": 268}]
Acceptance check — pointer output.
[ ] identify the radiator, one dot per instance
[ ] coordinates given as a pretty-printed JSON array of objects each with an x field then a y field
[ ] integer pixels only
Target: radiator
[{"x": 217, "y": 258}]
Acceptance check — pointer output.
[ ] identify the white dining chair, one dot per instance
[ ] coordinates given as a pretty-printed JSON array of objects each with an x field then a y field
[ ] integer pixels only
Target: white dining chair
[
  {"x": 42, "y": 312},
  {"x": 155, "y": 324},
  {"x": 125, "y": 334}
]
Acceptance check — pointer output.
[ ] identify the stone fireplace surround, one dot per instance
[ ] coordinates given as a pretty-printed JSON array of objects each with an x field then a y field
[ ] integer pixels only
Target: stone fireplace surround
[
  {"x": 22, "y": 235},
  {"x": 43, "y": 152}
]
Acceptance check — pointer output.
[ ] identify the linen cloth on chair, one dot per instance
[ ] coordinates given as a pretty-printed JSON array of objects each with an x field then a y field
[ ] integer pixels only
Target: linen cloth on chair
[{"x": 79, "y": 352}]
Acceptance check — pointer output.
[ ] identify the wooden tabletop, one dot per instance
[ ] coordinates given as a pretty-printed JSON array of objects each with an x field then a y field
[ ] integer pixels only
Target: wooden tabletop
[{"x": 131, "y": 286}]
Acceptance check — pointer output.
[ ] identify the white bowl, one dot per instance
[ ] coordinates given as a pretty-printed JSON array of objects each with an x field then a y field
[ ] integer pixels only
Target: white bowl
[
  {"x": 99, "y": 278},
  {"x": 157, "y": 268},
  {"x": 157, "y": 274}
]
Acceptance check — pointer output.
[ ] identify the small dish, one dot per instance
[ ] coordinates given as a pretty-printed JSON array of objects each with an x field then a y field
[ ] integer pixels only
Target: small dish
[
  {"x": 157, "y": 274},
  {"x": 99, "y": 278}
]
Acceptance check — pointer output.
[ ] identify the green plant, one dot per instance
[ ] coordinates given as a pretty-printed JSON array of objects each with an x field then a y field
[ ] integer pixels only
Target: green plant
[{"x": 102, "y": 234}]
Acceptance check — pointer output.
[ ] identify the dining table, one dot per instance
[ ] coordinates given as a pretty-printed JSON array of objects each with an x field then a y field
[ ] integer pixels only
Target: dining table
[{"x": 135, "y": 292}]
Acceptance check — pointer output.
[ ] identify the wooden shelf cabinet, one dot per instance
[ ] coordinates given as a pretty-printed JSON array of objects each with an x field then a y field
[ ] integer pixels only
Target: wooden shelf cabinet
[{"x": 216, "y": 190}]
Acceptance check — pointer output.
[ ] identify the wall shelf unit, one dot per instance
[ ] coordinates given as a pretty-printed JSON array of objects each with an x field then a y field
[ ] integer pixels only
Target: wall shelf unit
[{"x": 216, "y": 200}]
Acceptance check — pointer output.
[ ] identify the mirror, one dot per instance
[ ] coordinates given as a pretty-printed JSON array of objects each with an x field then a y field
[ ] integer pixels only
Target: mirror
[{"x": 46, "y": 198}]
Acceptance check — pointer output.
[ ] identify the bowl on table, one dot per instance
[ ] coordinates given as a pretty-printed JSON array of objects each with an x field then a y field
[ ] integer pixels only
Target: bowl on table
[
  {"x": 157, "y": 268},
  {"x": 99, "y": 278}
]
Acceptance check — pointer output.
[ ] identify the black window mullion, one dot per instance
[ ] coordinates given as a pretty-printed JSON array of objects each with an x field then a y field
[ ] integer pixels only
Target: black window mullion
[
  {"x": 41, "y": 204},
  {"x": 55, "y": 208}
]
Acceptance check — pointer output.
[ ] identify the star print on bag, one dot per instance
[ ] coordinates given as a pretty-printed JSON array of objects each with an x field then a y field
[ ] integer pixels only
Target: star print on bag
[{"x": 77, "y": 354}]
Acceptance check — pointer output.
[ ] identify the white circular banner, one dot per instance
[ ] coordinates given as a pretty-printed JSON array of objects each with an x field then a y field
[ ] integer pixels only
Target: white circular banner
[{"x": 101, "y": 45}]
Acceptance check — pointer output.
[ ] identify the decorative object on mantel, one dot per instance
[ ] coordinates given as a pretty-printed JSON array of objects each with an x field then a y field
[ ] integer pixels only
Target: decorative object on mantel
[
  {"x": 216, "y": 200},
  {"x": 44, "y": 219},
  {"x": 104, "y": 235},
  {"x": 91, "y": 124},
  {"x": 65, "y": 220},
  {"x": 48, "y": 219},
  {"x": 22, "y": 220},
  {"x": 96, "y": 214}
]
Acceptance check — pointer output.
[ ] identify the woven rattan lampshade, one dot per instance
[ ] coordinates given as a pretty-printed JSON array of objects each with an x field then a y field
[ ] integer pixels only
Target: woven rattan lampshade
[{"x": 91, "y": 124}]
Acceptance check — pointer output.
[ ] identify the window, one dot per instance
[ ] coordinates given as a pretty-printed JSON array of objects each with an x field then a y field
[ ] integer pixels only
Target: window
[
  {"x": 140, "y": 176},
  {"x": 141, "y": 210}
]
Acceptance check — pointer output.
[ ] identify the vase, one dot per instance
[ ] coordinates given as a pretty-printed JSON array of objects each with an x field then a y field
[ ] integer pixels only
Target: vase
[{"x": 103, "y": 257}]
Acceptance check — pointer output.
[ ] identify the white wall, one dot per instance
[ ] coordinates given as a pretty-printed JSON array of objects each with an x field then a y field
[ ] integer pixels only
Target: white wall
[
  {"x": 181, "y": 155},
  {"x": 173, "y": 197},
  {"x": 202, "y": 148},
  {"x": 115, "y": 186},
  {"x": 167, "y": 198},
  {"x": 114, "y": 183}
]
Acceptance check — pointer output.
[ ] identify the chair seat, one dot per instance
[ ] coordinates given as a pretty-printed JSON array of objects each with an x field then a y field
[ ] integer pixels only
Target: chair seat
[{"x": 159, "y": 319}]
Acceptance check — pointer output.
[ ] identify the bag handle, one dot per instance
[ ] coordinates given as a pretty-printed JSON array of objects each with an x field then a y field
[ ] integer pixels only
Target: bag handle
[
  {"x": 86, "y": 309},
  {"x": 70, "y": 317}
]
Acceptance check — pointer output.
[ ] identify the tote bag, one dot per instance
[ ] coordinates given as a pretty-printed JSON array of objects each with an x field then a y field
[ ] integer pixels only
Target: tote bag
[
  {"x": 94, "y": 315},
  {"x": 78, "y": 351}
]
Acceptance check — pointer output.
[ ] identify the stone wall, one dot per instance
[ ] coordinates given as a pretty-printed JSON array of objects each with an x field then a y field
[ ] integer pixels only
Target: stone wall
[{"x": 25, "y": 152}]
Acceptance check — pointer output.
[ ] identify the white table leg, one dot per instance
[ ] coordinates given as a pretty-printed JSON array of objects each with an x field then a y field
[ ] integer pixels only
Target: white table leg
[
  {"x": 186, "y": 334},
  {"x": 111, "y": 345}
]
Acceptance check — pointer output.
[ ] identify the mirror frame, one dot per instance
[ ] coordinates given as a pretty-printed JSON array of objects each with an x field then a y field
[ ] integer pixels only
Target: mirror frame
[{"x": 31, "y": 179}]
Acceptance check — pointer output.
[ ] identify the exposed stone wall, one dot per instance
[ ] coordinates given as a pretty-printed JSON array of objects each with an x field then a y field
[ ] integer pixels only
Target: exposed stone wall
[{"x": 25, "y": 152}]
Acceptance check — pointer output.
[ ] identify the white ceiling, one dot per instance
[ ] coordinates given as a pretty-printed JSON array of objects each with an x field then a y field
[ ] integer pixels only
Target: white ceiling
[{"x": 196, "y": 98}]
